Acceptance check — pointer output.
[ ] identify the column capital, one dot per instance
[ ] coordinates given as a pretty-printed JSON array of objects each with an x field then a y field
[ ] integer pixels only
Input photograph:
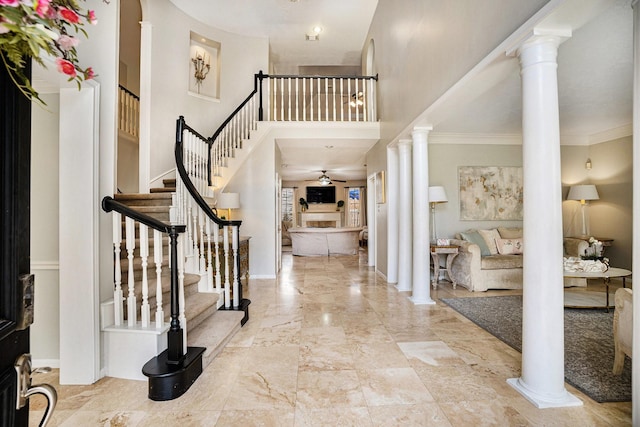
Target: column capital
[
  {"x": 541, "y": 37},
  {"x": 404, "y": 143},
  {"x": 422, "y": 129}
]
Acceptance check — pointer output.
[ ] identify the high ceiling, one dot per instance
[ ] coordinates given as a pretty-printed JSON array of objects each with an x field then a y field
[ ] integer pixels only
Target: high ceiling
[
  {"x": 344, "y": 24},
  {"x": 595, "y": 69}
]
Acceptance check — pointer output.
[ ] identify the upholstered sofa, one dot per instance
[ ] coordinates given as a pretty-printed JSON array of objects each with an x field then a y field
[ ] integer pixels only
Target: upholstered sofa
[
  {"x": 310, "y": 241},
  {"x": 480, "y": 266}
]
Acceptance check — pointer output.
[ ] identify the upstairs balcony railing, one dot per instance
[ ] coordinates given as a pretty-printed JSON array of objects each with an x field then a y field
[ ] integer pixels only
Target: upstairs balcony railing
[
  {"x": 293, "y": 99},
  {"x": 128, "y": 112}
]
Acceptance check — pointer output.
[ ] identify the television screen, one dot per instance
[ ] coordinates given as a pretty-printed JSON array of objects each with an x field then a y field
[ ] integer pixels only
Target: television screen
[{"x": 321, "y": 194}]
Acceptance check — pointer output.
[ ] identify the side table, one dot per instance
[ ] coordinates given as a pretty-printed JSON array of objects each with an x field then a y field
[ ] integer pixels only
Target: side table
[{"x": 451, "y": 251}]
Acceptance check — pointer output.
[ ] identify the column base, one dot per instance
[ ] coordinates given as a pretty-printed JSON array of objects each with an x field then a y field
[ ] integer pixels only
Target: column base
[
  {"x": 401, "y": 288},
  {"x": 422, "y": 301},
  {"x": 539, "y": 401}
]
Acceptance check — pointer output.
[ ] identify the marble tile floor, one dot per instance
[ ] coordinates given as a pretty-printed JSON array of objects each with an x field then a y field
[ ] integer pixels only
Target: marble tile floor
[{"x": 329, "y": 343}]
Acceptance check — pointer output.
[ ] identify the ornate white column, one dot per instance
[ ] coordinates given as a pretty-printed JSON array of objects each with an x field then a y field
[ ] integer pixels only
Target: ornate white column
[
  {"x": 405, "y": 239},
  {"x": 393, "y": 189},
  {"x": 421, "y": 282},
  {"x": 635, "y": 379},
  {"x": 542, "y": 380}
]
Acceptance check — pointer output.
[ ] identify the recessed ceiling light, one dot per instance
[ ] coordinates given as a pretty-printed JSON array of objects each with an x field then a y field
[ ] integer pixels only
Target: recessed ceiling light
[{"x": 317, "y": 29}]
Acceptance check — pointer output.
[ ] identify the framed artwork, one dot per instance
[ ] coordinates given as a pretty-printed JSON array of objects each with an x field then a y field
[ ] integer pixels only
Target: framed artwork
[
  {"x": 380, "y": 190},
  {"x": 204, "y": 67},
  {"x": 490, "y": 193}
]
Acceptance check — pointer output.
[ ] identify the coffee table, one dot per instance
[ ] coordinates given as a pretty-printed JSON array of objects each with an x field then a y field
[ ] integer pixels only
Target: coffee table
[{"x": 606, "y": 276}]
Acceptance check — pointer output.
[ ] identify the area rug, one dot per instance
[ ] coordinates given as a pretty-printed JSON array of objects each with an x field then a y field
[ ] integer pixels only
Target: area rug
[{"x": 588, "y": 336}]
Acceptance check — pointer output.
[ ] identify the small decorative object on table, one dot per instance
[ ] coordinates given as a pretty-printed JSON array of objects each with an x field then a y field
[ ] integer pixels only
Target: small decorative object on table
[{"x": 594, "y": 251}]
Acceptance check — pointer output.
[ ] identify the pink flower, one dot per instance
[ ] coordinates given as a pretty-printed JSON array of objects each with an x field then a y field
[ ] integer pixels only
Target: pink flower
[
  {"x": 89, "y": 74},
  {"x": 68, "y": 15},
  {"x": 67, "y": 42},
  {"x": 42, "y": 7},
  {"x": 10, "y": 3},
  {"x": 92, "y": 17},
  {"x": 66, "y": 67}
]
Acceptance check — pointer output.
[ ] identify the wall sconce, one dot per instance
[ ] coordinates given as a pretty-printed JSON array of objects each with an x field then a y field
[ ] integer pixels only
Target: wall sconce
[
  {"x": 202, "y": 65},
  {"x": 588, "y": 165}
]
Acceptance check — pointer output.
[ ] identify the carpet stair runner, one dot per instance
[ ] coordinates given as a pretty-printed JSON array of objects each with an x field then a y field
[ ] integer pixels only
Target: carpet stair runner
[{"x": 207, "y": 326}]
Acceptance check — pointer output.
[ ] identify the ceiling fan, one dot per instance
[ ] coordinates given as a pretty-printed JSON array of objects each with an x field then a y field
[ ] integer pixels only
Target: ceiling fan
[{"x": 324, "y": 179}]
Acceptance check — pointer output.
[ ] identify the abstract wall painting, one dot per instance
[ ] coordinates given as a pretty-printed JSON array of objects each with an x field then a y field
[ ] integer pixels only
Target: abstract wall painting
[{"x": 490, "y": 193}]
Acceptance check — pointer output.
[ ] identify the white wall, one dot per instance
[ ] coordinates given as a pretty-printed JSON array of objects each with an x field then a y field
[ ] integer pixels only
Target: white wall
[
  {"x": 240, "y": 58},
  {"x": 255, "y": 181},
  {"x": 421, "y": 49},
  {"x": 45, "y": 331}
]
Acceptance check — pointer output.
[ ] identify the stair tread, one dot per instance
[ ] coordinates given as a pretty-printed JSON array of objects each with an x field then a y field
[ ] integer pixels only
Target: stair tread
[
  {"x": 163, "y": 190},
  {"x": 215, "y": 332},
  {"x": 141, "y": 196}
]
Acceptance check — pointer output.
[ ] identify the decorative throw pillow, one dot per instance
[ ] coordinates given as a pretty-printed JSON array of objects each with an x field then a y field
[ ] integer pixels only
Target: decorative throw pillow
[
  {"x": 510, "y": 233},
  {"x": 490, "y": 237},
  {"x": 509, "y": 246},
  {"x": 472, "y": 236}
]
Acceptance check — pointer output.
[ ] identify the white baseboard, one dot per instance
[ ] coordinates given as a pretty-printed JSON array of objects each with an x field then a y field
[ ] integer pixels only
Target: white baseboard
[
  {"x": 41, "y": 363},
  {"x": 262, "y": 276}
]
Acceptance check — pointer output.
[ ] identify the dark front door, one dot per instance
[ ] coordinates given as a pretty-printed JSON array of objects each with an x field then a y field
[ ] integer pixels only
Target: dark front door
[{"x": 15, "y": 145}]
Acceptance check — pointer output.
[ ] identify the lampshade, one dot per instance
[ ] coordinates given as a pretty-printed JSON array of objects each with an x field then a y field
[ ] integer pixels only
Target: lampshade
[
  {"x": 228, "y": 201},
  {"x": 583, "y": 192},
  {"x": 437, "y": 195}
]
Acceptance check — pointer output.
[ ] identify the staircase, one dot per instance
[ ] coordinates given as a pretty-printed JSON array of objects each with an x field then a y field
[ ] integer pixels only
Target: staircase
[{"x": 207, "y": 327}]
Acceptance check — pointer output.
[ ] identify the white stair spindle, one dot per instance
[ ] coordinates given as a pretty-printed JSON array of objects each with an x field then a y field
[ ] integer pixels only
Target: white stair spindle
[
  {"x": 311, "y": 117},
  {"x": 342, "y": 99},
  {"x": 282, "y": 99},
  {"x": 203, "y": 262},
  {"x": 117, "y": 292},
  {"x": 349, "y": 100},
  {"x": 235, "y": 238},
  {"x": 319, "y": 104},
  {"x": 333, "y": 86},
  {"x": 304, "y": 100},
  {"x": 145, "y": 312},
  {"x": 297, "y": 100},
  {"x": 289, "y": 98},
  {"x": 326, "y": 99},
  {"x": 209, "y": 262},
  {"x": 216, "y": 244},
  {"x": 130, "y": 229},
  {"x": 157, "y": 259},
  {"x": 227, "y": 291},
  {"x": 357, "y": 104},
  {"x": 182, "y": 317}
]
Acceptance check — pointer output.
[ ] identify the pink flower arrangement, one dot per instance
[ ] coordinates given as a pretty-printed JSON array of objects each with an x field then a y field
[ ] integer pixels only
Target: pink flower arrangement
[{"x": 35, "y": 28}]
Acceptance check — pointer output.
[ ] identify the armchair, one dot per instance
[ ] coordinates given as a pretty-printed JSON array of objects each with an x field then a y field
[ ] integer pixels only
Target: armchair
[{"x": 622, "y": 328}]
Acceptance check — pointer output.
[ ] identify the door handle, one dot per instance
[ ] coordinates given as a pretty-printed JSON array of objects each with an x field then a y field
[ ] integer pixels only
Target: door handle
[{"x": 25, "y": 390}]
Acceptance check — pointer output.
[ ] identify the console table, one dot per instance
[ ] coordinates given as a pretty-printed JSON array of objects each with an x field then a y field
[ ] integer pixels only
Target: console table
[{"x": 243, "y": 254}]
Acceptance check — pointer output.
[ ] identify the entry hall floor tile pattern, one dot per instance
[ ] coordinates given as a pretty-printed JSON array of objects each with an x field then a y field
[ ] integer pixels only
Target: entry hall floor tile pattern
[{"x": 330, "y": 343}]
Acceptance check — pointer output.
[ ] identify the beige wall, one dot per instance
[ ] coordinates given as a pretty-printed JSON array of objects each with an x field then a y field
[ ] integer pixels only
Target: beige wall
[
  {"x": 444, "y": 160},
  {"x": 611, "y": 173}
]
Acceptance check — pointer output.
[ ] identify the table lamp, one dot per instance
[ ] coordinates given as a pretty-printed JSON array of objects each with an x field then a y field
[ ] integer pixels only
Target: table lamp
[
  {"x": 228, "y": 201},
  {"x": 583, "y": 193},
  {"x": 436, "y": 195}
]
